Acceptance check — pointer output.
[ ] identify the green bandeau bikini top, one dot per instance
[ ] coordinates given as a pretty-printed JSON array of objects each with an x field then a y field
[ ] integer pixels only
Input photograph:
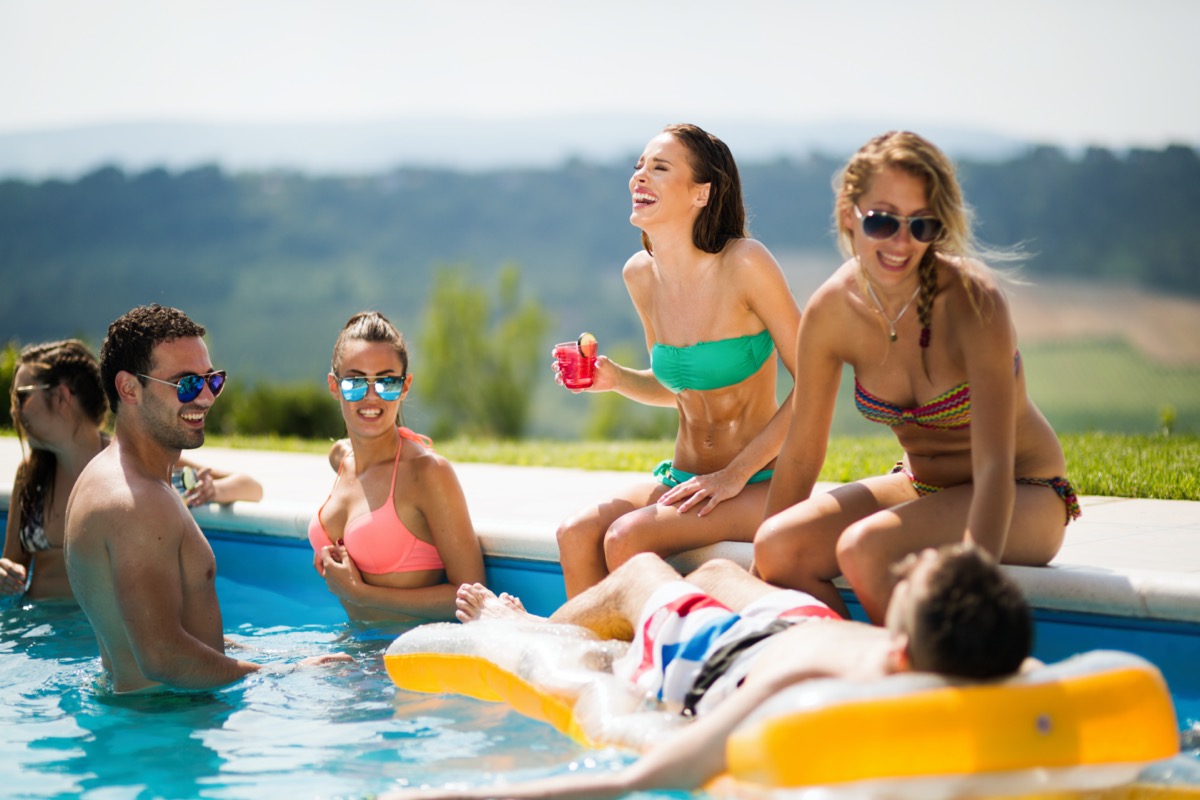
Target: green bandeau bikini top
[{"x": 710, "y": 365}]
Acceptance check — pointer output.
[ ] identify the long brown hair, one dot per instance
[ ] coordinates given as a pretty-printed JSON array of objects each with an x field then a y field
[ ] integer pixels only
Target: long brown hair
[
  {"x": 64, "y": 363},
  {"x": 724, "y": 216}
]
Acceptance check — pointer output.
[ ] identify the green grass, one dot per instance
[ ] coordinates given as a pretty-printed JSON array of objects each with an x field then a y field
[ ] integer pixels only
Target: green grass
[{"x": 1117, "y": 465}]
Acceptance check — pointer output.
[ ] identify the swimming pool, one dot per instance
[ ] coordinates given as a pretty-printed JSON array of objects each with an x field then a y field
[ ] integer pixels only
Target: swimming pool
[{"x": 340, "y": 731}]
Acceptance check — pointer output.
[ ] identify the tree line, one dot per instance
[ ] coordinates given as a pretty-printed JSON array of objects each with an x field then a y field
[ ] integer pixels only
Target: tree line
[{"x": 273, "y": 263}]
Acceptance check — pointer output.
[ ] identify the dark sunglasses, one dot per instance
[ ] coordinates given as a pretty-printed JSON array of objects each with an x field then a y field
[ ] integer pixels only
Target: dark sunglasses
[
  {"x": 190, "y": 386},
  {"x": 388, "y": 387},
  {"x": 885, "y": 225},
  {"x": 23, "y": 392}
]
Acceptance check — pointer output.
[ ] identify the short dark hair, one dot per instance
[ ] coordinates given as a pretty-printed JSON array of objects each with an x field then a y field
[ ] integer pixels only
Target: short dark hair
[
  {"x": 132, "y": 338},
  {"x": 972, "y": 621},
  {"x": 724, "y": 217}
]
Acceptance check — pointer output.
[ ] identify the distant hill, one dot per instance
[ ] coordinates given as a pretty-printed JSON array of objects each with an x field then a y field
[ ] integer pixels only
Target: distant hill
[
  {"x": 369, "y": 147},
  {"x": 273, "y": 262}
]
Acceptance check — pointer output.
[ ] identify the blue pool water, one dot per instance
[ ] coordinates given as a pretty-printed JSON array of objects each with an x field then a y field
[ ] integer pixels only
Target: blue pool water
[{"x": 339, "y": 731}]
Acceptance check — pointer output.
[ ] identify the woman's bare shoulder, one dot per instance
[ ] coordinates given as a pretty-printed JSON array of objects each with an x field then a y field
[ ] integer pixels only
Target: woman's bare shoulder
[{"x": 637, "y": 265}]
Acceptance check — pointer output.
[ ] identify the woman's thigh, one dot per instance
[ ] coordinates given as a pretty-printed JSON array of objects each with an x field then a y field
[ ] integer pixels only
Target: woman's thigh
[
  {"x": 806, "y": 535},
  {"x": 664, "y": 530},
  {"x": 1034, "y": 536},
  {"x": 602, "y": 515}
]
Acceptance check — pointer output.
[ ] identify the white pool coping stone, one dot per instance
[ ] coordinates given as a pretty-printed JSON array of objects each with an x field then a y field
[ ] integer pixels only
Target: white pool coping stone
[{"x": 1129, "y": 558}]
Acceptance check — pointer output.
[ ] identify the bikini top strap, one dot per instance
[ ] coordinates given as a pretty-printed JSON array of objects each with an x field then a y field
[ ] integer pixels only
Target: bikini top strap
[{"x": 413, "y": 436}]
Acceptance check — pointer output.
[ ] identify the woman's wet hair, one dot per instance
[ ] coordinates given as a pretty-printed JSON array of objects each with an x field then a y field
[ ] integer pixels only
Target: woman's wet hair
[
  {"x": 972, "y": 620},
  {"x": 724, "y": 216},
  {"x": 369, "y": 326},
  {"x": 66, "y": 363}
]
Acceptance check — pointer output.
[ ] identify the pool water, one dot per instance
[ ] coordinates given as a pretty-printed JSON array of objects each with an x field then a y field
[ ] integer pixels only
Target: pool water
[{"x": 336, "y": 731}]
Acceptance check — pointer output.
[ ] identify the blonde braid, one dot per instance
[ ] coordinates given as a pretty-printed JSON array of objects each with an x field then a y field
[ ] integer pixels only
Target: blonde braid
[{"x": 927, "y": 273}]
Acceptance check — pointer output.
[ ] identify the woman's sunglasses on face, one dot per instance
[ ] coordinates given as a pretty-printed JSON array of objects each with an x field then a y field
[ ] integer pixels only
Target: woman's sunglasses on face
[
  {"x": 22, "y": 392},
  {"x": 387, "y": 387},
  {"x": 189, "y": 387},
  {"x": 885, "y": 225}
]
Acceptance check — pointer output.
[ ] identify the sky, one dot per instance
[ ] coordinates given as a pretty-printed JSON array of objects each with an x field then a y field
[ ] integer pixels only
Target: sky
[{"x": 1112, "y": 73}]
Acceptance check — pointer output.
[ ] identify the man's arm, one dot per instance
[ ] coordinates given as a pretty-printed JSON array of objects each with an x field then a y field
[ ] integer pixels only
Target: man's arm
[
  {"x": 145, "y": 554},
  {"x": 686, "y": 759}
]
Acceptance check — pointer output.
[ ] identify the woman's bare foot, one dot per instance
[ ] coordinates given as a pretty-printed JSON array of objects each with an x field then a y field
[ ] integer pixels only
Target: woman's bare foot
[{"x": 475, "y": 601}]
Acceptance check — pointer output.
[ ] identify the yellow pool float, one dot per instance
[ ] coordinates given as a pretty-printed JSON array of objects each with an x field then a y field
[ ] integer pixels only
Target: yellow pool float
[{"x": 1091, "y": 721}]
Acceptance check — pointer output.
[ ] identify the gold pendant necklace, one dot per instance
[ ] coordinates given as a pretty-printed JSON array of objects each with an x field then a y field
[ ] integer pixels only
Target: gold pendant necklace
[{"x": 892, "y": 322}]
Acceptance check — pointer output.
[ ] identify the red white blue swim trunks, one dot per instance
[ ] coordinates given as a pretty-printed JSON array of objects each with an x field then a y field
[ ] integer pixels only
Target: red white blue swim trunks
[{"x": 681, "y": 628}]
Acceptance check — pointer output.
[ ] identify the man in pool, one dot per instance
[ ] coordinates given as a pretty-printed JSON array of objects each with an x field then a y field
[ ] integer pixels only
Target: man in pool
[
  {"x": 138, "y": 563},
  {"x": 723, "y": 642}
]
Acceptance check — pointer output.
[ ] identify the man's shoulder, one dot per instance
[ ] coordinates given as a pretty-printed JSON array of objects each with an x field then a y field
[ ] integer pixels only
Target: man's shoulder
[{"x": 107, "y": 490}]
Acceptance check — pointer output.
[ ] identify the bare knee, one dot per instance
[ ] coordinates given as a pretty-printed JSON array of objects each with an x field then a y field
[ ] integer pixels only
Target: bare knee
[
  {"x": 865, "y": 562},
  {"x": 854, "y": 550},
  {"x": 576, "y": 534},
  {"x": 624, "y": 539},
  {"x": 644, "y": 568},
  {"x": 715, "y": 571},
  {"x": 788, "y": 554}
]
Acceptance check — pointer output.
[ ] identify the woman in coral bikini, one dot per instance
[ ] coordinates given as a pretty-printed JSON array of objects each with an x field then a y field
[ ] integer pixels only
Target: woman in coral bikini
[
  {"x": 394, "y": 539},
  {"x": 929, "y": 335},
  {"x": 715, "y": 307}
]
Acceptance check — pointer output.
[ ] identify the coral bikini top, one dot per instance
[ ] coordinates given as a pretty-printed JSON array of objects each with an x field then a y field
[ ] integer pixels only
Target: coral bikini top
[{"x": 378, "y": 541}]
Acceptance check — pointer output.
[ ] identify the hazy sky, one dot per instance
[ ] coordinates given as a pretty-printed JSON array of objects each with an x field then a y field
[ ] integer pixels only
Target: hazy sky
[{"x": 1108, "y": 72}]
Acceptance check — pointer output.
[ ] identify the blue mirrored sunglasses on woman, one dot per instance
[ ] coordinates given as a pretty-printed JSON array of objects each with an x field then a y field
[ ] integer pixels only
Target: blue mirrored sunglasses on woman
[
  {"x": 387, "y": 387},
  {"x": 189, "y": 387}
]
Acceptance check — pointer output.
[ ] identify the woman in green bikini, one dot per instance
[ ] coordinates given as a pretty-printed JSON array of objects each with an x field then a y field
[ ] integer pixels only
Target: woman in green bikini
[
  {"x": 928, "y": 332},
  {"x": 715, "y": 307}
]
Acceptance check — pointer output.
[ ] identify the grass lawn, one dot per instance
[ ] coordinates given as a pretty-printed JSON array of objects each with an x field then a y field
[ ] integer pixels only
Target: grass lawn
[{"x": 1116, "y": 465}]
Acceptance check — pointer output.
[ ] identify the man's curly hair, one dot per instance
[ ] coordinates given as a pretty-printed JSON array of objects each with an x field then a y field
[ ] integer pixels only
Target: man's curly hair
[{"x": 132, "y": 338}]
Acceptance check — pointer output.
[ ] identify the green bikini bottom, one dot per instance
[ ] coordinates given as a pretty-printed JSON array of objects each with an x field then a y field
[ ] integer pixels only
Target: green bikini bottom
[{"x": 669, "y": 476}]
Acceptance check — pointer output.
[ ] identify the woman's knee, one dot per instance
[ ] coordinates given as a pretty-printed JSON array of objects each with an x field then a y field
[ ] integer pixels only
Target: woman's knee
[
  {"x": 784, "y": 550},
  {"x": 625, "y": 538},
  {"x": 576, "y": 533},
  {"x": 861, "y": 554}
]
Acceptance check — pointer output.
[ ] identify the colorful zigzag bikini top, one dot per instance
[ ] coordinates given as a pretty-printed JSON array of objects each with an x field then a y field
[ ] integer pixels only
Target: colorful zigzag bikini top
[{"x": 948, "y": 411}]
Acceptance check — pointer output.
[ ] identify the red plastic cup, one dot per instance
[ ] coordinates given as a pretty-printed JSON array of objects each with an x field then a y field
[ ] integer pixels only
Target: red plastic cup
[{"x": 577, "y": 370}]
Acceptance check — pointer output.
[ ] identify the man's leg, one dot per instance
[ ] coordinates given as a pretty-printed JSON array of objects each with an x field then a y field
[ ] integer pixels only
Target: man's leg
[
  {"x": 612, "y": 607},
  {"x": 728, "y": 583}
]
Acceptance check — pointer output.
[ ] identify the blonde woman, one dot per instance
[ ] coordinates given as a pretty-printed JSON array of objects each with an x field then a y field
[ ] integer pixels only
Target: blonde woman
[{"x": 928, "y": 332}]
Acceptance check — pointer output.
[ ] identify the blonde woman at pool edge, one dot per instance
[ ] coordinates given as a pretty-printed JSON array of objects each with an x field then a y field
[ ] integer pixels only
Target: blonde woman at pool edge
[{"x": 923, "y": 323}]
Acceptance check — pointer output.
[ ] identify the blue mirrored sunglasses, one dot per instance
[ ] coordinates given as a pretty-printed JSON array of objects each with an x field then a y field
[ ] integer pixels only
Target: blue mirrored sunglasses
[
  {"x": 388, "y": 387},
  {"x": 189, "y": 387}
]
